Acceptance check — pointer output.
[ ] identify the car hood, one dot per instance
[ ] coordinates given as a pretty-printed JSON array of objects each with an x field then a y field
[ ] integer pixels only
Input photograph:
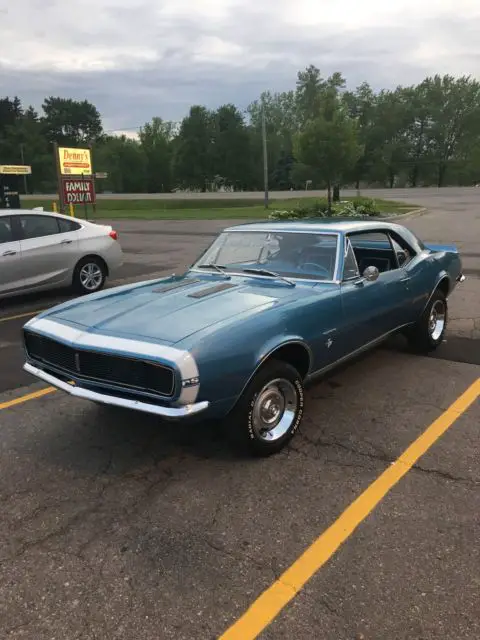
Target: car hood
[{"x": 172, "y": 309}]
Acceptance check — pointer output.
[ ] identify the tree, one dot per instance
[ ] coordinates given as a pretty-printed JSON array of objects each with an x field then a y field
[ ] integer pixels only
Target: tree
[
  {"x": 316, "y": 96},
  {"x": 125, "y": 162},
  {"x": 70, "y": 122},
  {"x": 193, "y": 158},
  {"x": 281, "y": 118},
  {"x": 156, "y": 141},
  {"x": 390, "y": 144},
  {"x": 230, "y": 147},
  {"x": 330, "y": 147},
  {"x": 361, "y": 105},
  {"x": 453, "y": 106},
  {"x": 22, "y": 141},
  {"x": 10, "y": 111}
]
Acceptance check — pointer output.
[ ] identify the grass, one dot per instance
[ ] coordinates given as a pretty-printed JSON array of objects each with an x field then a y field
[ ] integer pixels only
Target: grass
[{"x": 150, "y": 209}]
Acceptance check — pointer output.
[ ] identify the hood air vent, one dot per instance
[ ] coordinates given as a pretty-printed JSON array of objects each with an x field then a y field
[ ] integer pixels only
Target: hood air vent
[
  {"x": 207, "y": 292},
  {"x": 176, "y": 285}
]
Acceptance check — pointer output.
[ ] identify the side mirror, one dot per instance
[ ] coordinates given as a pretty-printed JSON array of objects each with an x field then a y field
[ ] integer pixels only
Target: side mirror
[{"x": 371, "y": 274}]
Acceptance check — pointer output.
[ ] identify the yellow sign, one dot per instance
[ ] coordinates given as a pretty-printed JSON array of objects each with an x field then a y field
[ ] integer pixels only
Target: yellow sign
[
  {"x": 74, "y": 162},
  {"x": 15, "y": 169}
]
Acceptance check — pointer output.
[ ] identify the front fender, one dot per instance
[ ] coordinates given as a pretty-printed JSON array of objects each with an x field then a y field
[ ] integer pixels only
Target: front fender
[
  {"x": 226, "y": 369},
  {"x": 272, "y": 344}
]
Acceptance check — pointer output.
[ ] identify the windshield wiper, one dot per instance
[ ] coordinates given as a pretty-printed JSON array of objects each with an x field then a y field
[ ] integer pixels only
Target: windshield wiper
[
  {"x": 266, "y": 272},
  {"x": 212, "y": 265}
]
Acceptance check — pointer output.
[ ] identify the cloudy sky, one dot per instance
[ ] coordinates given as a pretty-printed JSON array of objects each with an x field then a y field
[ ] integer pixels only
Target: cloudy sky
[{"x": 135, "y": 59}]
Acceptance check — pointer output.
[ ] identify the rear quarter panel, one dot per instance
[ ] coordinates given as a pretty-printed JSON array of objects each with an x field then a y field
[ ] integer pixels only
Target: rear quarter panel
[
  {"x": 426, "y": 271},
  {"x": 92, "y": 241}
]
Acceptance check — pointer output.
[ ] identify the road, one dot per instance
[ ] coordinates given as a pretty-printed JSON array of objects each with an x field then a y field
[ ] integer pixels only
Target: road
[
  {"x": 116, "y": 526},
  {"x": 433, "y": 196}
]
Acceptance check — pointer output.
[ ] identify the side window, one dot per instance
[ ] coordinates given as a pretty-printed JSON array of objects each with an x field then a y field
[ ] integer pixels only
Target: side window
[
  {"x": 6, "y": 234},
  {"x": 374, "y": 250},
  {"x": 38, "y": 226},
  {"x": 350, "y": 267},
  {"x": 67, "y": 225},
  {"x": 402, "y": 251}
]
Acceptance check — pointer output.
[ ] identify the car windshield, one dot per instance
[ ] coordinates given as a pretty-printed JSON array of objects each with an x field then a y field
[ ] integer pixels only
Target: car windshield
[{"x": 288, "y": 254}]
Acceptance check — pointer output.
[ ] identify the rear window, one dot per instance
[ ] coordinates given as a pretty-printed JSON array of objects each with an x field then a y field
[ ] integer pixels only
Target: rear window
[{"x": 67, "y": 225}]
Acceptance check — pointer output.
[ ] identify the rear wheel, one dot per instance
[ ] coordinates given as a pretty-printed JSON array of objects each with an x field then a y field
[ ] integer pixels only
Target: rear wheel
[
  {"x": 428, "y": 333},
  {"x": 89, "y": 275},
  {"x": 270, "y": 410}
]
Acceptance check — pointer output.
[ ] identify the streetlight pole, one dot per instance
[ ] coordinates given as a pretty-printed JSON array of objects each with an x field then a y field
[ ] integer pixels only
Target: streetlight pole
[
  {"x": 24, "y": 175},
  {"x": 265, "y": 159}
]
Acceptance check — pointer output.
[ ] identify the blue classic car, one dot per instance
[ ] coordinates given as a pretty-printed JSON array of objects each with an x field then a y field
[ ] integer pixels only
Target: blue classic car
[{"x": 265, "y": 309}]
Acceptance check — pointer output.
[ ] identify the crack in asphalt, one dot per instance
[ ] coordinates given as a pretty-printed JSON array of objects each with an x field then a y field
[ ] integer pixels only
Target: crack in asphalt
[
  {"x": 239, "y": 556},
  {"x": 380, "y": 457},
  {"x": 30, "y": 544}
]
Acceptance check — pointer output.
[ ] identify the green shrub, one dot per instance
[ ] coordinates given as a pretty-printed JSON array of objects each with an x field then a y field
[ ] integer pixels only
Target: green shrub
[{"x": 357, "y": 207}]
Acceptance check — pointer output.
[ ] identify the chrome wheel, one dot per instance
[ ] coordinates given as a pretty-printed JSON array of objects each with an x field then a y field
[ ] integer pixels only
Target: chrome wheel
[
  {"x": 436, "y": 321},
  {"x": 274, "y": 410},
  {"x": 91, "y": 276}
]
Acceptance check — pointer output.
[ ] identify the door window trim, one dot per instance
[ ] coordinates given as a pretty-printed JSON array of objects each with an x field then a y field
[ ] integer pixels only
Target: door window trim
[
  {"x": 9, "y": 221},
  {"x": 385, "y": 232},
  {"x": 21, "y": 234}
]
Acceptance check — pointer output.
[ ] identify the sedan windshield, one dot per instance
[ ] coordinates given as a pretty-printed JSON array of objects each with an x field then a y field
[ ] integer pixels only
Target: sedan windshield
[{"x": 288, "y": 254}]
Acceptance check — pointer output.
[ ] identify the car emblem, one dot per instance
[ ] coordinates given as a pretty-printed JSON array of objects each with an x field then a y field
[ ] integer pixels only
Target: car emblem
[
  {"x": 77, "y": 362},
  {"x": 329, "y": 343}
]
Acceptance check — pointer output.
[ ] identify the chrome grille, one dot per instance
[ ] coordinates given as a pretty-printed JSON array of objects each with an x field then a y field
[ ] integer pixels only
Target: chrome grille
[{"x": 131, "y": 373}]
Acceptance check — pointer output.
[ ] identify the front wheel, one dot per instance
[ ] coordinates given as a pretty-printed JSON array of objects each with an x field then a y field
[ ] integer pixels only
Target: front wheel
[
  {"x": 89, "y": 275},
  {"x": 270, "y": 410},
  {"x": 428, "y": 333}
]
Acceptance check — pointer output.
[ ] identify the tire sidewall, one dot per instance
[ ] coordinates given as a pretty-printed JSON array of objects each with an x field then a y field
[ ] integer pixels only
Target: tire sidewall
[
  {"x": 245, "y": 414},
  {"x": 437, "y": 296},
  {"x": 76, "y": 278}
]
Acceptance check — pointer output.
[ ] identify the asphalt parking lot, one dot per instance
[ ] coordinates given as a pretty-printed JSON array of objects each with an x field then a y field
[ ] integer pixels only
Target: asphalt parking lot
[{"x": 116, "y": 527}]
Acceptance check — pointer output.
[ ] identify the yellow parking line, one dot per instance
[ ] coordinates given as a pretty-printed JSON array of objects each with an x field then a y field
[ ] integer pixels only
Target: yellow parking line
[
  {"x": 26, "y": 398},
  {"x": 269, "y": 604},
  {"x": 21, "y": 315}
]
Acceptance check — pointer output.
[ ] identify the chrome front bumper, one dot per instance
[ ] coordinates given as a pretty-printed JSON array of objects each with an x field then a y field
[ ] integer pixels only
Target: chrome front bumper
[{"x": 170, "y": 413}]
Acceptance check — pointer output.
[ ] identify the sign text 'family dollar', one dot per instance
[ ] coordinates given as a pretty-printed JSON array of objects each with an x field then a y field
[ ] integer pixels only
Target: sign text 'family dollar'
[{"x": 78, "y": 191}]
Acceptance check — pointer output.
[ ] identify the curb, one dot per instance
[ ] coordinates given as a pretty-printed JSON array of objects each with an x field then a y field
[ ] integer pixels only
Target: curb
[{"x": 415, "y": 213}]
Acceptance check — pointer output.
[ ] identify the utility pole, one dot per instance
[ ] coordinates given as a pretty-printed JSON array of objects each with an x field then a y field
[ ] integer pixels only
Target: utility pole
[
  {"x": 24, "y": 175},
  {"x": 265, "y": 159}
]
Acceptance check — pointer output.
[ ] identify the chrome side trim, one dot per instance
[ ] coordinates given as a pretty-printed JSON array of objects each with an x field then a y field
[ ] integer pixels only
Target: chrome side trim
[
  {"x": 352, "y": 354},
  {"x": 183, "y": 360},
  {"x": 86, "y": 394}
]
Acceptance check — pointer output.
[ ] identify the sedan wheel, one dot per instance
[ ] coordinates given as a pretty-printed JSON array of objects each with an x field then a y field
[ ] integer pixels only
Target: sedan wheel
[{"x": 90, "y": 275}]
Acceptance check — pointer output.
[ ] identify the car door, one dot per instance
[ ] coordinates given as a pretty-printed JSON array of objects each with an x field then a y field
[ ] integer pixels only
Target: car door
[
  {"x": 49, "y": 249},
  {"x": 371, "y": 309},
  {"x": 11, "y": 277}
]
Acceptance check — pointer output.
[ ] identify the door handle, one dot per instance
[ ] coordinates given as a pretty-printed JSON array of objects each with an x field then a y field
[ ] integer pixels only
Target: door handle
[
  {"x": 66, "y": 242},
  {"x": 9, "y": 253}
]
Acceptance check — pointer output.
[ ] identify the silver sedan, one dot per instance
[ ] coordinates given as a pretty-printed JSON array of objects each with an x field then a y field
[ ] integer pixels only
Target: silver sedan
[{"x": 41, "y": 250}]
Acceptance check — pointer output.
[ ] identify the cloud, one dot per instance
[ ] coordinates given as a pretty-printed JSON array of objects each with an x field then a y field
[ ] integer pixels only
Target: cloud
[{"x": 135, "y": 59}]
